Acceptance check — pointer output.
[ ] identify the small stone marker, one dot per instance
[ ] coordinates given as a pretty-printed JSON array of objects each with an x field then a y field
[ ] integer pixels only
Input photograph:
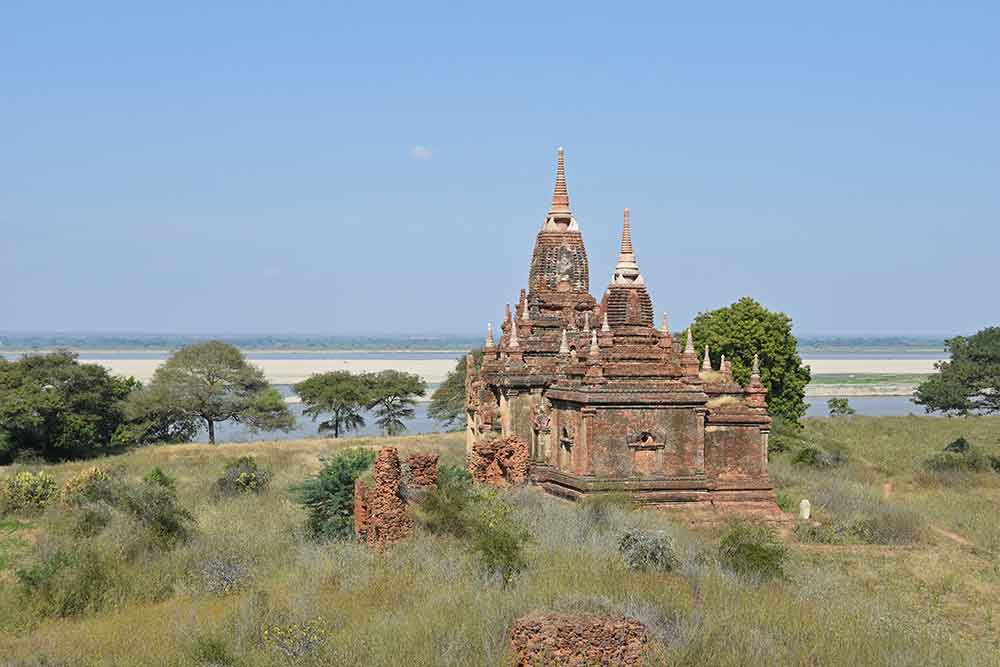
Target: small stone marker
[{"x": 805, "y": 509}]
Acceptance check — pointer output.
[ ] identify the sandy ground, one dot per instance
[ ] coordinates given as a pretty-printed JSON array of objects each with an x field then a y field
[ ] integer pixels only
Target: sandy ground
[{"x": 433, "y": 371}]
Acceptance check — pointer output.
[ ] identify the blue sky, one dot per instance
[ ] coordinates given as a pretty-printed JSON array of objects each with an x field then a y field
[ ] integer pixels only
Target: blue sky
[{"x": 381, "y": 167}]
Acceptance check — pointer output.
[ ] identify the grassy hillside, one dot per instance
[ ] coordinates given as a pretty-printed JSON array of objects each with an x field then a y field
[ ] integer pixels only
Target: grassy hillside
[{"x": 908, "y": 579}]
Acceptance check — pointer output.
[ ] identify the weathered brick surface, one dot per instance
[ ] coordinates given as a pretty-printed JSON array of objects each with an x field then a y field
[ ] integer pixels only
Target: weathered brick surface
[
  {"x": 423, "y": 470},
  {"x": 499, "y": 462},
  {"x": 577, "y": 640},
  {"x": 381, "y": 509}
]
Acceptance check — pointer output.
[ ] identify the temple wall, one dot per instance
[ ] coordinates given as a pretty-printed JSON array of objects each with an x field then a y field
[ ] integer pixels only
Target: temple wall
[
  {"x": 735, "y": 452},
  {"x": 646, "y": 442}
]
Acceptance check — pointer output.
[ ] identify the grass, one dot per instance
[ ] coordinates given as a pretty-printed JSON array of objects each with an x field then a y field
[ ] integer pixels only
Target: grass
[
  {"x": 867, "y": 379},
  {"x": 928, "y": 600}
]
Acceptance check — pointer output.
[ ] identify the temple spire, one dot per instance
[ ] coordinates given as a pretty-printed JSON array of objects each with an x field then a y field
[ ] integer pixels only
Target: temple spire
[
  {"x": 564, "y": 344},
  {"x": 605, "y": 327},
  {"x": 626, "y": 271},
  {"x": 560, "y": 196},
  {"x": 489, "y": 335},
  {"x": 689, "y": 346},
  {"x": 663, "y": 324},
  {"x": 706, "y": 363},
  {"x": 756, "y": 367},
  {"x": 594, "y": 349},
  {"x": 513, "y": 342}
]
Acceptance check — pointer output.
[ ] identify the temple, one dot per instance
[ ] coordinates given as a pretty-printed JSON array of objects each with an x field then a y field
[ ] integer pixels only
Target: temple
[{"x": 602, "y": 399}]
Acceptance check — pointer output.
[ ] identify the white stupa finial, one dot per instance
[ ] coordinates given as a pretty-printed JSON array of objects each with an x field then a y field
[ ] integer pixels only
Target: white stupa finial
[
  {"x": 706, "y": 363},
  {"x": 489, "y": 335},
  {"x": 564, "y": 344}
]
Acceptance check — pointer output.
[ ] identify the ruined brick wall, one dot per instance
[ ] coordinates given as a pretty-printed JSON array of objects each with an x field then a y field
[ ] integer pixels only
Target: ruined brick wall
[
  {"x": 577, "y": 640},
  {"x": 499, "y": 462},
  {"x": 423, "y": 470},
  {"x": 381, "y": 509},
  {"x": 734, "y": 452}
]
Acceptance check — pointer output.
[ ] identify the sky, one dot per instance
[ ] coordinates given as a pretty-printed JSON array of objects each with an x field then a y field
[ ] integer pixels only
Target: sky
[{"x": 338, "y": 168}]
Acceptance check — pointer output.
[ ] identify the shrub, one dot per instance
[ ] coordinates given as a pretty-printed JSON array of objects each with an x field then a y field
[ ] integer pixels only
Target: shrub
[
  {"x": 329, "y": 497},
  {"x": 969, "y": 460},
  {"x": 453, "y": 473},
  {"x": 447, "y": 509},
  {"x": 839, "y": 407},
  {"x": 498, "y": 539},
  {"x": 243, "y": 476},
  {"x": 208, "y": 650},
  {"x": 156, "y": 509},
  {"x": 753, "y": 550},
  {"x": 157, "y": 476},
  {"x": 784, "y": 501},
  {"x": 222, "y": 575},
  {"x": 597, "y": 511},
  {"x": 65, "y": 583},
  {"x": 27, "y": 492},
  {"x": 819, "y": 458},
  {"x": 643, "y": 550},
  {"x": 295, "y": 640},
  {"x": 888, "y": 524},
  {"x": 83, "y": 483}
]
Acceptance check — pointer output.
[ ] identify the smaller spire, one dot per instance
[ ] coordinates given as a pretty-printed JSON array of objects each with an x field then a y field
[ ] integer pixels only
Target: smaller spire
[
  {"x": 663, "y": 324},
  {"x": 605, "y": 327},
  {"x": 564, "y": 344},
  {"x": 626, "y": 271},
  {"x": 524, "y": 313},
  {"x": 594, "y": 349},
  {"x": 586, "y": 320},
  {"x": 722, "y": 364},
  {"x": 489, "y": 335},
  {"x": 513, "y": 343},
  {"x": 689, "y": 346},
  {"x": 706, "y": 362},
  {"x": 756, "y": 366},
  {"x": 506, "y": 313}
]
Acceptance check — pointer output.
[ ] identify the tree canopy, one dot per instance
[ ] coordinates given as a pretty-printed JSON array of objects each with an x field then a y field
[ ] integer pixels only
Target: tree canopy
[
  {"x": 969, "y": 382},
  {"x": 341, "y": 395},
  {"x": 209, "y": 382},
  {"x": 746, "y": 328},
  {"x": 393, "y": 395},
  {"x": 55, "y": 406},
  {"x": 447, "y": 404}
]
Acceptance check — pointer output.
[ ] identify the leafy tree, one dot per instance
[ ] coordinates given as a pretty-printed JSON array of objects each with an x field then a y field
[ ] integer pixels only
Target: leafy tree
[
  {"x": 393, "y": 395},
  {"x": 839, "y": 407},
  {"x": 329, "y": 497},
  {"x": 746, "y": 328},
  {"x": 340, "y": 394},
  {"x": 53, "y": 405},
  {"x": 447, "y": 404},
  {"x": 210, "y": 382},
  {"x": 970, "y": 381}
]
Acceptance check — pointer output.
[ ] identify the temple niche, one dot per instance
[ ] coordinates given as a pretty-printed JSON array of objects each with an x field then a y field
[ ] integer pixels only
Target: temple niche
[{"x": 604, "y": 401}]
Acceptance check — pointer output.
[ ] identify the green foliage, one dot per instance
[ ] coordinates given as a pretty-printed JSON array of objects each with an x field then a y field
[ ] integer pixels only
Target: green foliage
[
  {"x": 969, "y": 382},
  {"x": 448, "y": 509},
  {"x": 746, "y": 328},
  {"x": 820, "y": 458},
  {"x": 68, "y": 583},
  {"x": 157, "y": 476},
  {"x": 839, "y": 407},
  {"x": 447, "y": 404},
  {"x": 340, "y": 394},
  {"x": 210, "y": 651},
  {"x": 498, "y": 539},
  {"x": 209, "y": 382},
  {"x": 753, "y": 550},
  {"x": 296, "y": 640},
  {"x": 329, "y": 497},
  {"x": 55, "y": 406},
  {"x": 27, "y": 492},
  {"x": 83, "y": 483},
  {"x": 392, "y": 396},
  {"x": 644, "y": 550},
  {"x": 243, "y": 476},
  {"x": 784, "y": 502},
  {"x": 598, "y": 511}
]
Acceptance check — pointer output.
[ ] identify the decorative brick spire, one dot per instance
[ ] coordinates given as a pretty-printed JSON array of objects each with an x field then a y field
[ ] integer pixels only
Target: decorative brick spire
[
  {"x": 689, "y": 346},
  {"x": 664, "y": 327},
  {"x": 525, "y": 315},
  {"x": 489, "y": 335},
  {"x": 706, "y": 362},
  {"x": 564, "y": 344},
  {"x": 722, "y": 365},
  {"x": 627, "y": 271},
  {"x": 605, "y": 327},
  {"x": 689, "y": 360},
  {"x": 513, "y": 342},
  {"x": 560, "y": 196},
  {"x": 594, "y": 349},
  {"x": 586, "y": 321},
  {"x": 756, "y": 392}
]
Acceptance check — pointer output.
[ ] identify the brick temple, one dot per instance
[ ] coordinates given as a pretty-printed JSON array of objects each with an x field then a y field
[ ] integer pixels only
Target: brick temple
[{"x": 603, "y": 400}]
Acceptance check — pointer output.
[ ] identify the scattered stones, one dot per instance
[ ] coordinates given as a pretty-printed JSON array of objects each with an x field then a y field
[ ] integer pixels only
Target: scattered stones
[
  {"x": 423, "y": 470},
  {"x": 805, "y": 509},
  {"x": 577, "y": 640},
  {"x": 382, "y": 510},
  {"x": 499, "y": 462}
]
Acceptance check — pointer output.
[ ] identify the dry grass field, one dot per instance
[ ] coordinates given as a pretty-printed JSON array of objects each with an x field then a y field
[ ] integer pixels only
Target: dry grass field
[{"x": 907, "y": 575}]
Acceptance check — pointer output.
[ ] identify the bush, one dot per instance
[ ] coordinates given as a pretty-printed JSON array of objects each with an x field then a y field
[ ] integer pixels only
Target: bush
[
  {"x": 447, "y": 509},
  {"x": 208, "y": 650},
  {"x": 498, "y": 539},
  {"x": 839, "y": 407},
  {"x": 647, "y": 551},
  {"x": 83, "y": 483},
  {"x": 819, "y": 458},
  {"x": 888, "y": 524},
  {"x": 295, "y": 640},
  {"x": 157, "y": 476},
  {"x": 598, "y": 510},
  {"x": 156, "y": 509},
  {"x": 784, "y": 502},
  {"x": 243, "y": 476},
  {"x": 65, "y": 583},
  {"x": 27, "y": 492},
  {"x": 223, "y": 574},
  {"x": 753, "y": 550},
  {"x": 329, "y": 497}
]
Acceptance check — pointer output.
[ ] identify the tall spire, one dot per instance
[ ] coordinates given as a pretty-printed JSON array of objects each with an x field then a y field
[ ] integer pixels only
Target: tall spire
[
  {"x": 689, "y": 346},
  {"x": 627, "y": 271},
  {"x": 560, "y": 196}
]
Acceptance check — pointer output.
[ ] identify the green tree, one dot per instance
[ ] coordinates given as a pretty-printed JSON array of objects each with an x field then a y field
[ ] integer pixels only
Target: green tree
[
  {"x": 393, "y": 395},
  {"x": 746, "y": 328},
  {"x": 329, "y": 497},
  {"x": 53, "y": 405},
  {"x": 213, "y": 383},
  {"x": 970, "y": 381},
  {"x": 447, "y": 404},
  {"x": 340, "y": 394},
  {"x": 839, "y": 407}
]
